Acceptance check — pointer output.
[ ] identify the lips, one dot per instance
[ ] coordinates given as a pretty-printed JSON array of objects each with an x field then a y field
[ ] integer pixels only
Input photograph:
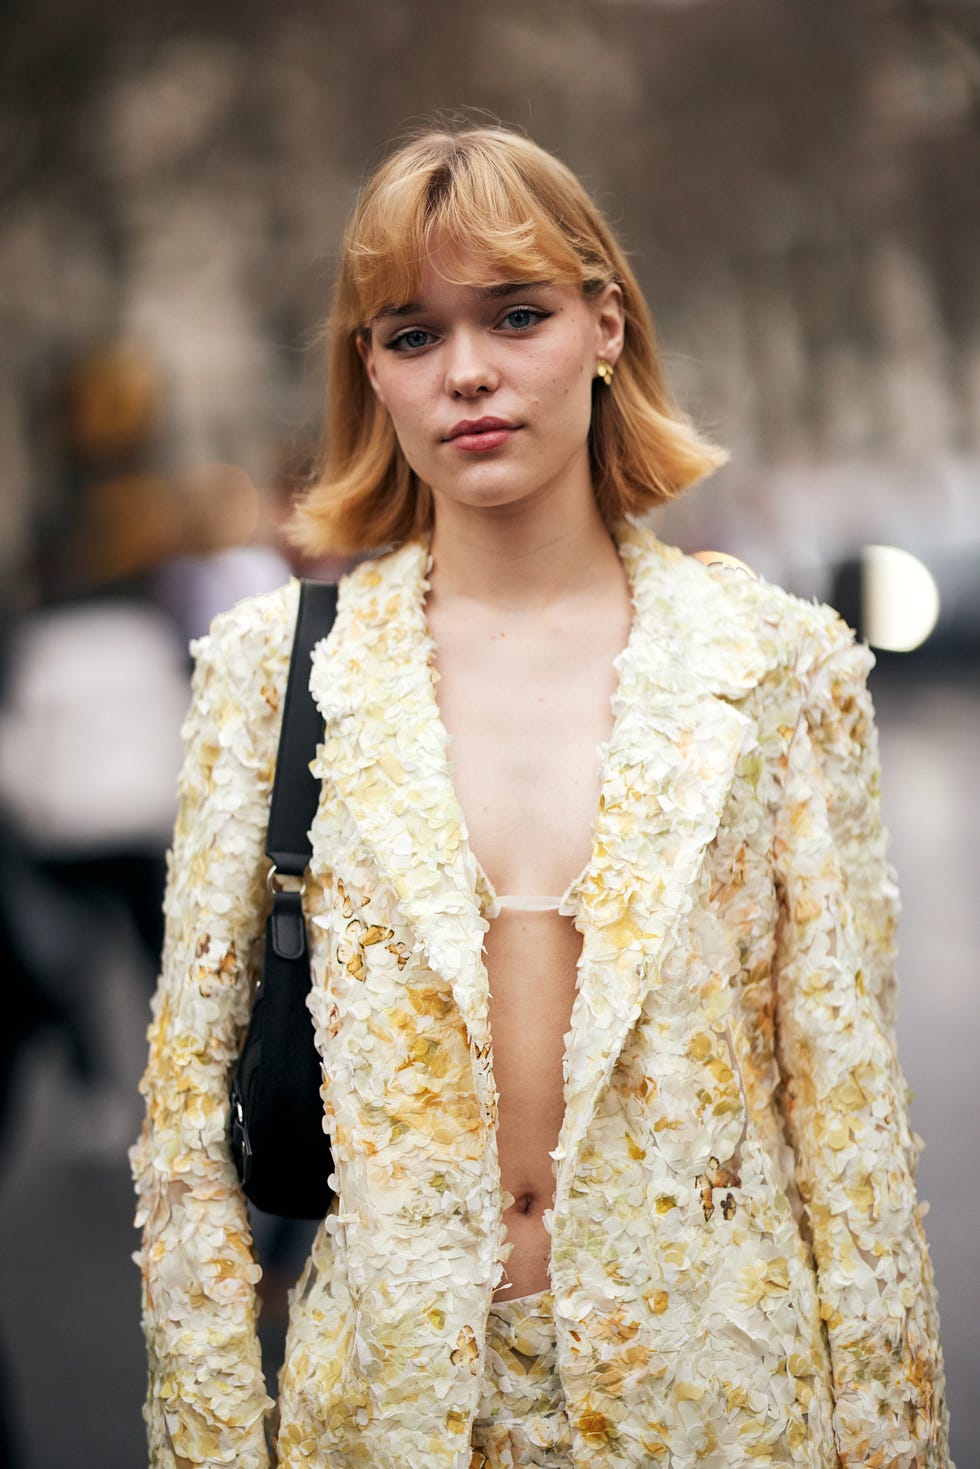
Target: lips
[{"x": 476, "y": 434}]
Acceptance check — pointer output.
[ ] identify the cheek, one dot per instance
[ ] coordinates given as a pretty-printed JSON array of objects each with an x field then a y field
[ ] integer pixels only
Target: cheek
[
  {"x": 554, "y": 378},
  {"x": 409, "y": 424},
  {"x": 571, "y": 392},
  {"x": 574, "y": 373},
  {"x": 402, "y": 405}
]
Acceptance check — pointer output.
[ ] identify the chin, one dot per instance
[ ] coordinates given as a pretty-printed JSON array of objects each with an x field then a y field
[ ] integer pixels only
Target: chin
[{"x": 488, "y": 497}]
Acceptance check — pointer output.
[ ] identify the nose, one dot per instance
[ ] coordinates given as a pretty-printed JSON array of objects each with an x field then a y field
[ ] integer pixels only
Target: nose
[{"x": 469, "y": 366}]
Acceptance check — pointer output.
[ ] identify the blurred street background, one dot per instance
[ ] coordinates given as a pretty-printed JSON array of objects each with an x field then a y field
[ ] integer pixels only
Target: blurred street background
[{"x": 799, "y": 189}]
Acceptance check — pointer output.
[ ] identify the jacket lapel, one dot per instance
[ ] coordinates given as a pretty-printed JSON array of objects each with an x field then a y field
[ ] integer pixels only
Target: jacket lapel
[
  {"x": 670, "y": 763},
  {"x": 385, "y": 751}
]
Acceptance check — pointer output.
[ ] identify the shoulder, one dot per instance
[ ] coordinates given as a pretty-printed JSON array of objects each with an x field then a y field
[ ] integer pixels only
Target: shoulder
[
  {"x": 819, "y": 674},
  {"x": 820, "y": 656},
  {"x": 253, "y": 638},
  {"x": 241, "y": 667},
  {"x": 381, "y": 586},
  {"x": 734, "y": 608},
  {"x": 811, "y": 632}
]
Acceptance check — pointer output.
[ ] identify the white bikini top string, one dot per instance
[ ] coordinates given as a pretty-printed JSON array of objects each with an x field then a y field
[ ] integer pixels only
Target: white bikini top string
[{"x": 526, "y": 903}]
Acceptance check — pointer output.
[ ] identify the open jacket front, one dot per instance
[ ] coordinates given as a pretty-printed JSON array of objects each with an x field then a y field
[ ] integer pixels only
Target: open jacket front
[{"x": 739, "y": 1272}]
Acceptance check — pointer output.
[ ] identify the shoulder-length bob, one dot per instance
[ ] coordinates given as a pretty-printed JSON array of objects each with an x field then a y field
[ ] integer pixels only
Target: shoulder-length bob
[{"x": 495, "y": 193}]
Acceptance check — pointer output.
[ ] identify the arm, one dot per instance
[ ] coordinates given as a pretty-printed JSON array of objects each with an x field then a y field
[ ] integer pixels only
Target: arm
[
  {"x": 844, "y": 1096},
  {"x": 206, "y": 1402}
]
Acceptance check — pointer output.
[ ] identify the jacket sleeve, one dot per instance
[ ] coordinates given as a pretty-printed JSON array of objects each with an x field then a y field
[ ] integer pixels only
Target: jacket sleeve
[
  {"x": 845, "y": 1100},
  {"x": 206, "y": 1402}
]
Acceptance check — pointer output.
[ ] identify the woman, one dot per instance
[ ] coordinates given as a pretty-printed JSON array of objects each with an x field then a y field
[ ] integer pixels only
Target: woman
[{"x": 670, "y": 1218}]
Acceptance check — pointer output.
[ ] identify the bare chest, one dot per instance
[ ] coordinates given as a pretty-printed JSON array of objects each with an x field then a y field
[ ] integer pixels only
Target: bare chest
[{"x": 526, "y": 725}]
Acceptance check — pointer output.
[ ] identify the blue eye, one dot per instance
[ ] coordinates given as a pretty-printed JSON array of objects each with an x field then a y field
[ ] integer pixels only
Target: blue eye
[
  {"x": 409, "y": 341},
  {"x": 523, "y": 317}
]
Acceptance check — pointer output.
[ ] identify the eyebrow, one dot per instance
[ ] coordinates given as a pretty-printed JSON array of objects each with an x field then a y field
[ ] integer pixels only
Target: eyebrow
[{"x": 488, "y": 293}]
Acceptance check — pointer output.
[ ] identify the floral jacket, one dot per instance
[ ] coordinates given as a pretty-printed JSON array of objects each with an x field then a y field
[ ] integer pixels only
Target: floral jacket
[{"x": 739, "y": 1271}]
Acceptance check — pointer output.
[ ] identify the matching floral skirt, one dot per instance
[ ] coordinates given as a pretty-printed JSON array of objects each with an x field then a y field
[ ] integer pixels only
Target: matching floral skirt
[{"x": 521, "y": 1416}]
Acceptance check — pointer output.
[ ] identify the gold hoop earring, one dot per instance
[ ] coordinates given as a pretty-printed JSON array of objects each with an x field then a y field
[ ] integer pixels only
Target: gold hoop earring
[{"x": 605, "y": 370}]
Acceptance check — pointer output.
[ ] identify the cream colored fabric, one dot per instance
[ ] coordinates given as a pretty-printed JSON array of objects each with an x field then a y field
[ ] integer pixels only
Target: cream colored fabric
[
  {"x": 520, "y": 1417},
  {"x": 738, "y": 1270}
]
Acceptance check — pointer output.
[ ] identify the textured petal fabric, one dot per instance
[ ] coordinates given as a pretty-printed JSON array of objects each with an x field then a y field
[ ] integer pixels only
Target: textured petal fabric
[
  {"x": 207, "y": 1402},
  {"x": 521, "y": 1418},
  {"x": 845, "y": 1099}
]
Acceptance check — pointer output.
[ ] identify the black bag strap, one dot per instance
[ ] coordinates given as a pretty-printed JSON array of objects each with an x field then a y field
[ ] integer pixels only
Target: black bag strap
[{"x": 296, "y": 792}]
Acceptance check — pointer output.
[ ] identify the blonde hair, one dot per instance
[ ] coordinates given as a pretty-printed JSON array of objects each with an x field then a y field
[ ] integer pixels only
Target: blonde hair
[{"x": 495, "y": 193}]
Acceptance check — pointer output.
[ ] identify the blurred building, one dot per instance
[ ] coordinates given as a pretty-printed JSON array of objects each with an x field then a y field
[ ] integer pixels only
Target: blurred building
[{"x": 797, "y": 188}]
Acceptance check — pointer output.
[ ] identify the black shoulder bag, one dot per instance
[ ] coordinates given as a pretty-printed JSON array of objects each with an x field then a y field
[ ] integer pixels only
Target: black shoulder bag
[{"x": 276, "y": 1128}]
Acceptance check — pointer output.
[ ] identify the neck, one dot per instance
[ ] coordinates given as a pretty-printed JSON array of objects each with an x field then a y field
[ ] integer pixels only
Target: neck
[{"x": 521, "y": 557}]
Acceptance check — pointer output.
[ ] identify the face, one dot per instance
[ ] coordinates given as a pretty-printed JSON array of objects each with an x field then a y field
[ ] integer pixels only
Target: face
[{"x": 489, "y": 387}]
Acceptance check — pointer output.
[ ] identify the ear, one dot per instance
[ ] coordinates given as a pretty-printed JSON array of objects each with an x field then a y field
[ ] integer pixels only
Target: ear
[
  {"x": 365, "y": 349},
  {"x": 610, "y": 321}
]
